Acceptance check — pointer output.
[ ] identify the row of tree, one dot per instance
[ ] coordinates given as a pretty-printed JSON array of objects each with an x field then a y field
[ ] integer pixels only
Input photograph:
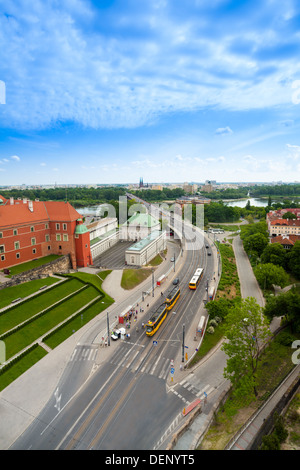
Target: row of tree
[
  {"x": 271, "y": 261},
  {"x": 246, "y": 325},
  {"x": 78, "y": 197},
  {"x": 284, "y": 190}
]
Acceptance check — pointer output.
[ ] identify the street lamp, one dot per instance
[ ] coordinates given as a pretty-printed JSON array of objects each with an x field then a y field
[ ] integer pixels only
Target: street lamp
[
  {"x": 108, "y": 337},
  {"x": 182, "y": 360},
  {"x": 152, "y": 282}
]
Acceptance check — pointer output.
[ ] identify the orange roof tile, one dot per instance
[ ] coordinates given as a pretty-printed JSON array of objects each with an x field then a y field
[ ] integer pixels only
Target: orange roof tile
[
  {"x": 61, "y": 211},
  {"x": 14, "y": 215}
]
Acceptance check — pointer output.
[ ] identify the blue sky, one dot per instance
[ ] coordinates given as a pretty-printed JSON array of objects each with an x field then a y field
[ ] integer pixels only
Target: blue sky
[{"x": 108, "y": 91}]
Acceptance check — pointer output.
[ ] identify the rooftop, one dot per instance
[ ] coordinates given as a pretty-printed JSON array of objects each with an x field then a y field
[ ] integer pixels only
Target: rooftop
[{"x": 140, "y": 245}]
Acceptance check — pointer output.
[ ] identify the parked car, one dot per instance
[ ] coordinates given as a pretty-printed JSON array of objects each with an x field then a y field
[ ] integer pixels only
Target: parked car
[
  {"x": 176, "y": 281},
  {"x": 209, "y": 253},
  {"x": 172, "y": 259},
  {"x": 115, "y": 335},
  {"x": 206, "y": 246}
]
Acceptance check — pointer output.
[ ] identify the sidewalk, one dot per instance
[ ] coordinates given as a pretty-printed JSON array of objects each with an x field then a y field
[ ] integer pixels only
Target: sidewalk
[{"x": 24, "y": 398}]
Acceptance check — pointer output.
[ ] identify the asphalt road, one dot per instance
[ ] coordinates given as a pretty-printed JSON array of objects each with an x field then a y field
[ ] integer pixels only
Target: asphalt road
[{"x": 125, "y": 402}]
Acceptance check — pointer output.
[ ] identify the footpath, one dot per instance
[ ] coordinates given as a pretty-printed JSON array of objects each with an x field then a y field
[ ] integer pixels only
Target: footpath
[{"x": 23, "y": 400}]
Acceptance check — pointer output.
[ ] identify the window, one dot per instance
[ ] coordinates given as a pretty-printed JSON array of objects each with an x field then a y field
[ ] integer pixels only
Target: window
[
  {"x": 64, "y": 226},
  {"x": 17, "y": 255},
  {"x": 17, "y": 245},
  {"x": 32, "y": 228},
  {"x": 47, "y": 238},
  {"x": 58, "y": 238},
  {"x": 46, "y": 226},
  {"x": 59, "y": 247},
  {"x": 49, "y": 247},
  {"x": 1, "y": 234},
  {"x": 65, "y": 238},
  {"x": 34, "y": 251},
  {"x": 33, "y": 241},
  {"x": 2, "y": 249},
  {"x": 2, "y": 257},
  {"x": 57, "y": 226},
  {"x": 15, "y": 231}
]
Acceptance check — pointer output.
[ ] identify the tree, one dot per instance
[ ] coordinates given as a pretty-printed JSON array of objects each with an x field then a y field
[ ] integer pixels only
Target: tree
[
  {"x": 289, "y": 215},
  {"x": 269, "y": 274},
  {"x": 220, "y": 308},
  {"x": 274, "y": 253},
  {"x": 255, "y": 243},
  {"x": 246, "y": 331},
  {"x": 294, "y": 259},
  {"x": 288, "y": 305}
]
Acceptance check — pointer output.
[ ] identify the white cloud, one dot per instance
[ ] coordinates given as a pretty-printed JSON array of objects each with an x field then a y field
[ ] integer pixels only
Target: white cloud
[
  {"x": 16, "y": 158},
  {"x": 223, "y": 130},
  {"x": 294, "y": 151},
  {"x": 106, "y": 78}
]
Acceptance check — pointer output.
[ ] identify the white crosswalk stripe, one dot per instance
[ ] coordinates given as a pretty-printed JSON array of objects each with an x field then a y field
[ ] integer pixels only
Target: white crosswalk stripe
[{"x": 84, "y": 354}]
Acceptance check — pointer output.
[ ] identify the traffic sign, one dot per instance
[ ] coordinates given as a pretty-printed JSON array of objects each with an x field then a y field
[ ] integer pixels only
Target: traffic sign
[
  {"x": 172, "y": 370},
  {"x": 154, "y": 343}
]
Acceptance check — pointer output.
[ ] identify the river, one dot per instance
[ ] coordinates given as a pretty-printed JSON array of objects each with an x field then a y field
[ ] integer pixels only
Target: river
[{"x": 243, "y": 202}]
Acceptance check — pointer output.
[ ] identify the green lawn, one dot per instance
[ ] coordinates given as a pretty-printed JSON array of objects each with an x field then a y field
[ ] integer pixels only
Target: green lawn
[
  {"x": 61, "y": 334},
  {"x": 30, "y": 332},
  {"x": 19, "y": 367},
  {"x": 23, "y": 290},
  {"x": 20, "y": 268},
  {"x": 25, "y": 310},
  {"x": 133, "y": 277},
  {"x": 59, "y": 319}
]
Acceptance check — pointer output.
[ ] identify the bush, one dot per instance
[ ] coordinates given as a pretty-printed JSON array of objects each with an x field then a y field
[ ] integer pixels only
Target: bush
[
  {"x": 210, "y": 330},
  {"x": 285, "y": 338},
  {"x": 270, "y": 443},
  {"x": 213, "y": 323}
]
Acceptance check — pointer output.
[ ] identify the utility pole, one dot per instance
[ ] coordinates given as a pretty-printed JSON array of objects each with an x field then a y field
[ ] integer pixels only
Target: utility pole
[
  {"x": 108, "y": 337},
  {"x": 182, "y": 360},
  {"x": 207, "y": 288},
  {"x": 152, "y": 282}
]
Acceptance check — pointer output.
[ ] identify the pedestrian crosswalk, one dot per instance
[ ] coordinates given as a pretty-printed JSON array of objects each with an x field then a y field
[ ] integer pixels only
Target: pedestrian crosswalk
[
  {"x": 195, "y": 389},
  {"x": 187, "y": 390},
  {"x": 84, "y": 353}
]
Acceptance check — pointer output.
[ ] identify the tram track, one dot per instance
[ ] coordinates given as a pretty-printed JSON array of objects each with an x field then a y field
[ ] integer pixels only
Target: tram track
[{"x": 89, "y": 419}]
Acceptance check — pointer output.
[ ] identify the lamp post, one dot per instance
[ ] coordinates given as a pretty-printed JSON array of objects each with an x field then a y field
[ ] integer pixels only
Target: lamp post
[
  {"x": 182, "y": 360},
  {"x": 108, "y": 337},
  {"x": 152, "y": 282}
]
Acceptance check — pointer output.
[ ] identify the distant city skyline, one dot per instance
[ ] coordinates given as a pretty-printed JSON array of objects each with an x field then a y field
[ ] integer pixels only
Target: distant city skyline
[{"x": 104, "y": 92}]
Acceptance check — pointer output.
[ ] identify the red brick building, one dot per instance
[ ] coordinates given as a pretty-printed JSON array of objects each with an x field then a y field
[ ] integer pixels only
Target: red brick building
[{"x": 33, "y": 229}]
